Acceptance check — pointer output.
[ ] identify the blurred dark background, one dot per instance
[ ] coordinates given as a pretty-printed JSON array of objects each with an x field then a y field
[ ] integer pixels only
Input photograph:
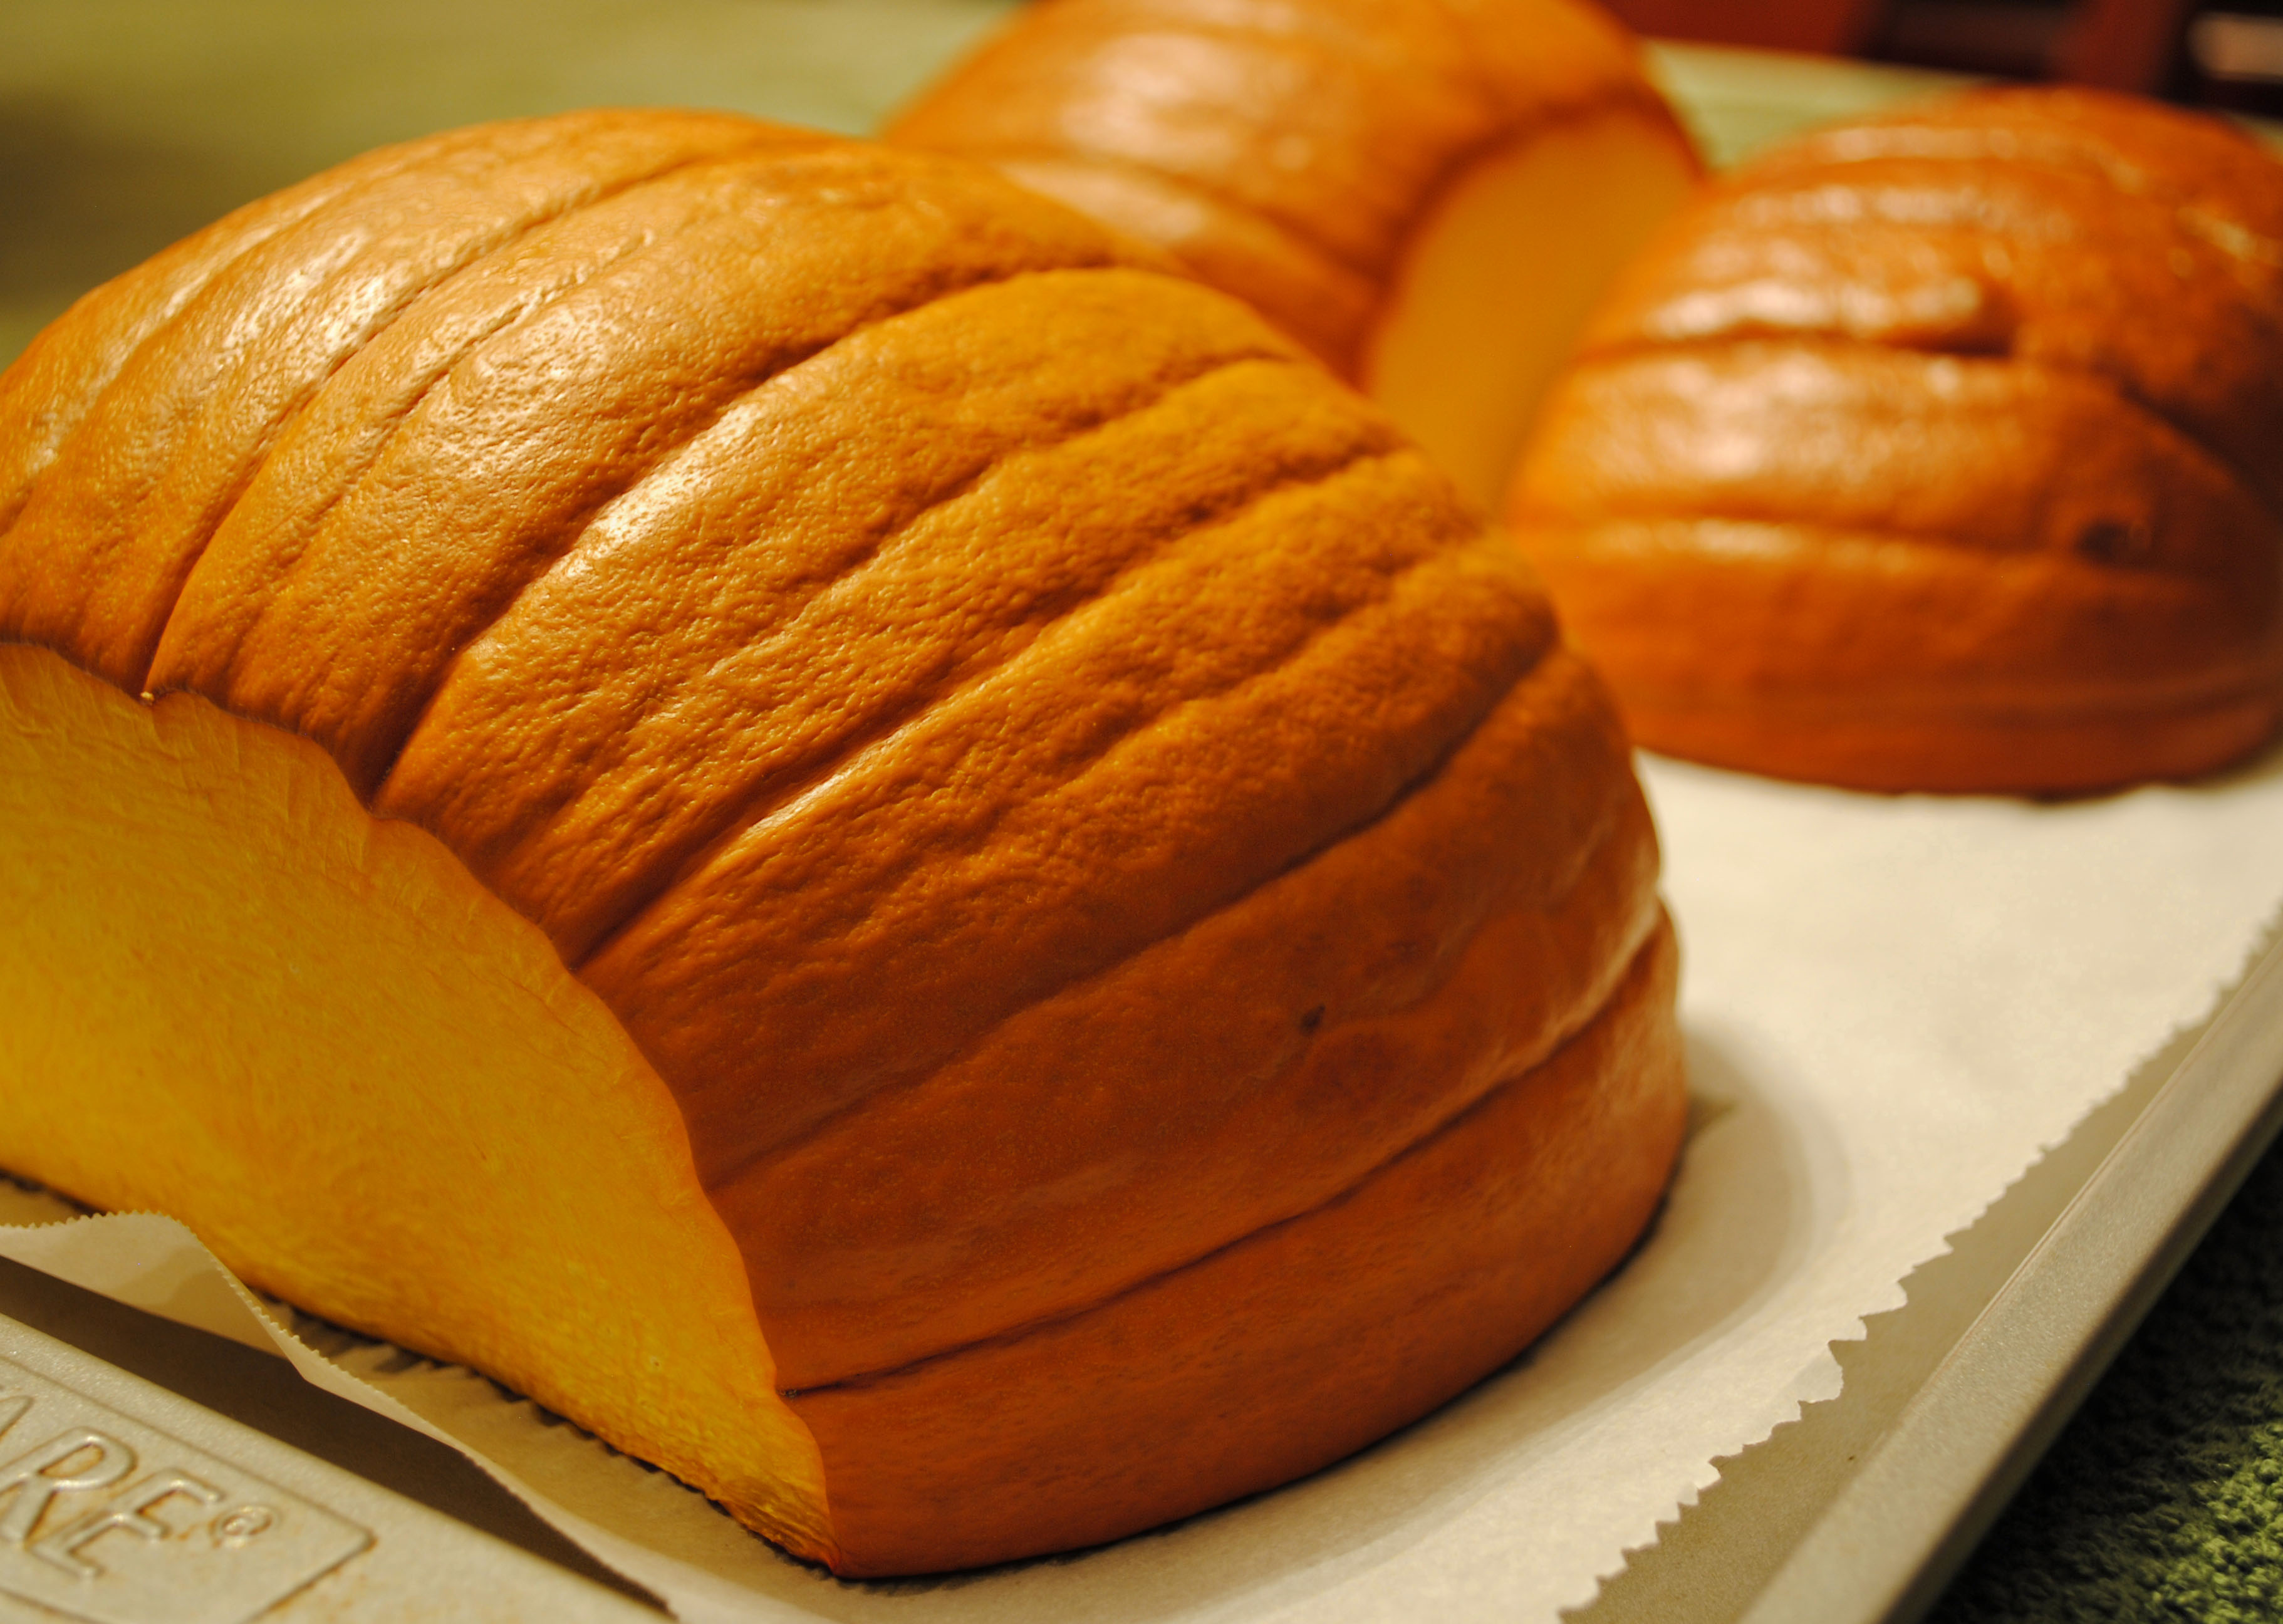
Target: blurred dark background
[{"x": 2225, "y": 56}]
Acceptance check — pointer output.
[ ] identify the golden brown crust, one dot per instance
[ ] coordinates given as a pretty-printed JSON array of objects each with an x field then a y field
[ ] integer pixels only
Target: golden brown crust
[
  {"x": 46, "y": 393},
  {"x": 2052, "y": 265},
  {"x": 99, "y": 552},
  {"x": 1462, "y": 1248},
  {"x": 1963, "y": 418},
  {"x": 580, "y": 789},
  {"x": 551, "y": 384},
  {"x": 1506, "y": 896},
  {"x": 905, "y": 650},
  {"x": 1100, "y": 796}
]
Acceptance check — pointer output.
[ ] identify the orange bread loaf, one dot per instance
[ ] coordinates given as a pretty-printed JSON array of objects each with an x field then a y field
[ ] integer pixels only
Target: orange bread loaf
[
  {"x": 1943, "y": 451},
  {"x": 1429, "y": 194},
  {"x": 776, "y": 791}
]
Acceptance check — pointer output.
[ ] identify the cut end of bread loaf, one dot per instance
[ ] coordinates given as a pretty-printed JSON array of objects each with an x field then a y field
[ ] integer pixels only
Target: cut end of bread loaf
[
  {"x": 371, "y": 1087},
  {"x": 1496, "y": 281}
]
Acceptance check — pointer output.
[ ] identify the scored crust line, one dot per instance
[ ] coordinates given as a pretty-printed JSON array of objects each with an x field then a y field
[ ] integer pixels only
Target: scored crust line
[
  {"x": 478, "y": 254},
  {"x": 738, "y": 818},
  {"x": 1642, "y": 946},
  {"x": 575, "y": 529},
  {"x": 911, "y": 1080},
  {"x": 1848, "y": 343}
]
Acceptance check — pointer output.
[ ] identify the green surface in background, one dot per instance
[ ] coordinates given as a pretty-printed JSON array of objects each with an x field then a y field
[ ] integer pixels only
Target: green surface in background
[
  {"x": 1736, "y": 102},
  {"x": 125, "y": 124},
  {"x": 2164, "y": 1498}
]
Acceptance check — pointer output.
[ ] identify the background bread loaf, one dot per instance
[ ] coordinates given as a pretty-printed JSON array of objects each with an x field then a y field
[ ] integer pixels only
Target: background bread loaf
[{"x": 1940, "y": 451}]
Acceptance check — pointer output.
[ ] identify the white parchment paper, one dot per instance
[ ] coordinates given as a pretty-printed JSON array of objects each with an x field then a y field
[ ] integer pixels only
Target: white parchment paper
[{"x": 1893, "y": 1005}]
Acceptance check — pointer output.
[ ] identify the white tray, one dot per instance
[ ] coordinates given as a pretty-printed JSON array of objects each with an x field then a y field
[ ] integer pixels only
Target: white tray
[{"x": 1862, "y": 1510}]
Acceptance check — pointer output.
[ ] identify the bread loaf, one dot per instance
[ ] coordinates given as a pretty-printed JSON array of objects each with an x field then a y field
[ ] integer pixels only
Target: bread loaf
[
  {"x": 1429, "y": 194},
  {"x": 788, "y": 797},
  {"x": 1941, "y": 452}
]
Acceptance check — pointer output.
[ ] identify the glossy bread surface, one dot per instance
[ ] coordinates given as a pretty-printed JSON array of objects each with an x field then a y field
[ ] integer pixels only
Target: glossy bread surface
[{"x": 1067, "y": 802}]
